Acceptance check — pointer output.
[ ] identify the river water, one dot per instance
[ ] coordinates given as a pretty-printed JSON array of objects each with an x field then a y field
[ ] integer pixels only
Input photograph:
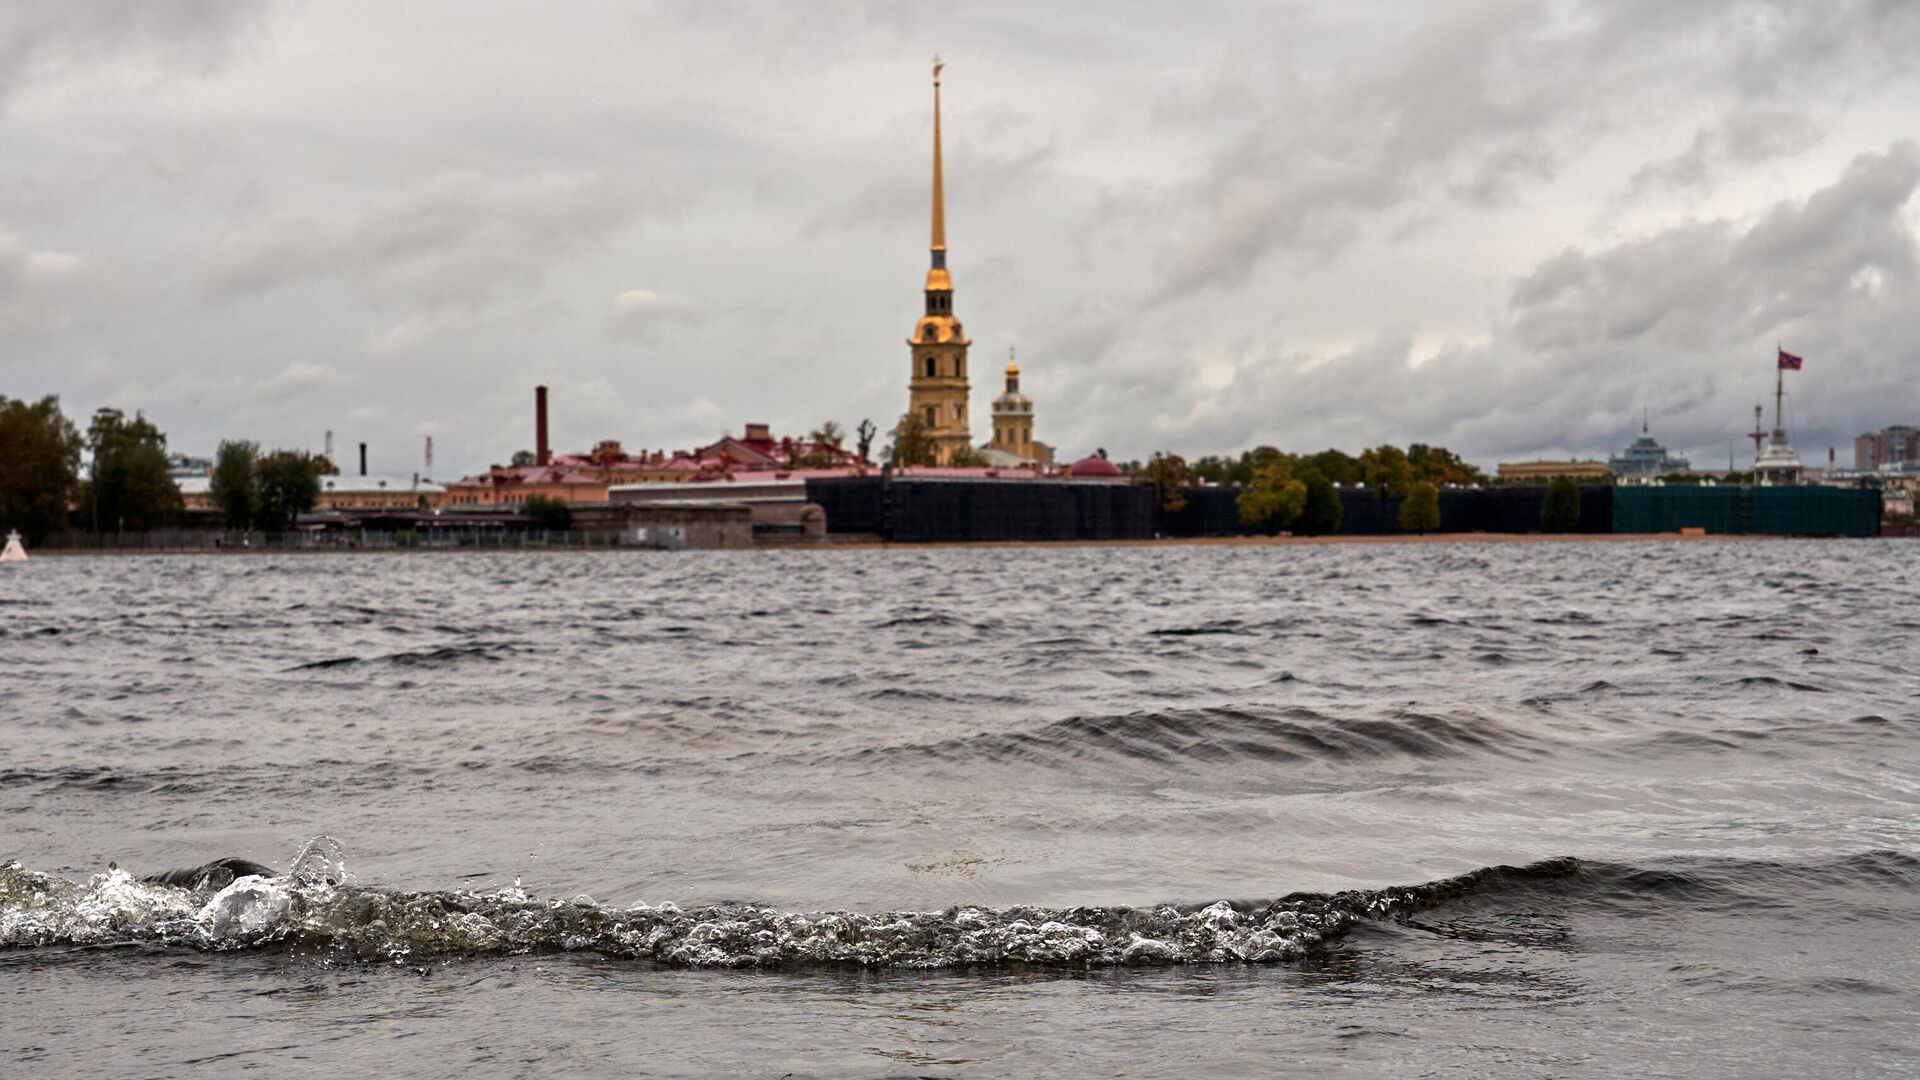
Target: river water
[{"x": 1499, "y": 809}]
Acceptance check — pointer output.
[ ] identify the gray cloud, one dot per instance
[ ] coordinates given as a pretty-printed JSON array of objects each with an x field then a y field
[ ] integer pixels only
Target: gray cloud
[
  {"x": 1683, "y": 320},
  {"x": 1502, "y": 225},
  {"x": 1484, "y": 104},
  {"x": 641, "y": 312},
  {"x": 459, "y": 239},
  {"x": 34, "y": 288},
  {"x": 47, "y": 40},
  {"x": 1747, "y": 135}
]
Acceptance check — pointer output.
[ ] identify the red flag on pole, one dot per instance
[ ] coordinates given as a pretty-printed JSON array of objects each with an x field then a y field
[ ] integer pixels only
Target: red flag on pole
[{"x": 1789, "y": 362}]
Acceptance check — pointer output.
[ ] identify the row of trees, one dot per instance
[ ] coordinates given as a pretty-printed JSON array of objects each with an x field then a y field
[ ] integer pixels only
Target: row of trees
[
  {"x": 39, "y": 466},
  {"x": 41, "y": 491},
  {"x": 128, "y": 486},
  {"x": 1384, "y": 466},
  {"x": 264, "y": 491},
  {"x": 1297, "y": 492}
]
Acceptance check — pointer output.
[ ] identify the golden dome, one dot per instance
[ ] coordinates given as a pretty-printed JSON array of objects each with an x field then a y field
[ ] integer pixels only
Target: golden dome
[
  {"x": 1013, "y": 369},
  {"x": 943, "y": 329}
]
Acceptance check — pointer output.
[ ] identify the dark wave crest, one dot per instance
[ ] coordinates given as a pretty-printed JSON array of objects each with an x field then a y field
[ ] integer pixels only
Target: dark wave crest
[
  {"x": 445, "y": 656},
  {"x": 1196, "y": 738}
]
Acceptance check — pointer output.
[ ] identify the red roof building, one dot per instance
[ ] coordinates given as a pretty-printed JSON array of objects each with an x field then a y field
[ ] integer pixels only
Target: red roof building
[{"x": 1094, "y": 467}]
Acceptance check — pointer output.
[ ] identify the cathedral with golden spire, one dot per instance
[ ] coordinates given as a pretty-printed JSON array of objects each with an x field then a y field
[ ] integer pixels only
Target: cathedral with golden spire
[{"x": 937, "y": 386}]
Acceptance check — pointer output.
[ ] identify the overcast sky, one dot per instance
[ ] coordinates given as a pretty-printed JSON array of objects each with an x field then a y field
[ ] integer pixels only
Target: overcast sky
[{"x": 1505, "y": 226}]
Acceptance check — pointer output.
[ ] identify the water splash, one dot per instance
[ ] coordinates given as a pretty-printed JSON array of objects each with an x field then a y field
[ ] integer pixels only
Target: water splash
[
  {"x": 321, "y": 861},
  {"x": 316, "y": 906}
]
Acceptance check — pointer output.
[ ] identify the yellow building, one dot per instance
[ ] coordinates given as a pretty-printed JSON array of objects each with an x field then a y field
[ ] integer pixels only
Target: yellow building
[
  {"x": 337, "y": 493},
  {"x": 1542, "y": 471},
  {"x": 1013, "y": 441},
  {"x": 937, "y": 385}
]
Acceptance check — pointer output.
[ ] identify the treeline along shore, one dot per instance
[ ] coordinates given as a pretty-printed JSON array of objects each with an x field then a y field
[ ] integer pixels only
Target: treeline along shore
[{"x": 126, "y": 500}]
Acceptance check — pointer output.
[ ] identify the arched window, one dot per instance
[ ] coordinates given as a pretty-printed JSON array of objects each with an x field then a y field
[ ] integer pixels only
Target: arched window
[
  {"x": 931, "y": 415},
  {"x": 930, "y": 367}
]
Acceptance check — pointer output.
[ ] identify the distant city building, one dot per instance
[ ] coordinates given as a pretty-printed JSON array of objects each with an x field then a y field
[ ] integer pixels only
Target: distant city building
[
  {"x": 180, "y": 466},
  {"x": 338, "y": 493},
  {"x": 758, "y": 450},
  {"x": 1646, "y": 457},
  {"x": 1542, "y": 471},
  {"x": 513, "y": 485},
  {"x": 1013, "y": 443},
  {"x": 1890, "y": 448},
  {"x": 379, "y": 493},
  {"x": 585, "y": 478}
]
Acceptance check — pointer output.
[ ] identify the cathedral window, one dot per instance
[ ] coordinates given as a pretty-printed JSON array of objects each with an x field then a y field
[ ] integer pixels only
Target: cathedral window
[
  {"x": 931, "y": 420},
  {"x": 930, "y": 367}
]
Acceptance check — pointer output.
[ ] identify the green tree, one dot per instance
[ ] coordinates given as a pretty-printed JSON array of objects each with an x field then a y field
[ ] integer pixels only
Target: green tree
[
  {"x": 39, "y": 466},
  {"x": 1212, "y": 469},
  {"x": 1386, "y": 470},
  {"x": 1274, "y": 498},
  {"x": 286, "y": 484},
  {"x": 1252, "y": 461},
  {"x": 1337, "y": 467},
  {"x": 912, "y": 444},
  {"x": 1560, "y": 511},
  {"x": 1170, "y": 478},
  {"x": 829, "y": 434},
  {"x": 1420, "y": 510},
  {"x": 1442, "y": 466},
  {"x": 552, "y": 514},
  {"x": 523, "y": 458},
  {"x": 966, "y": 457},
  {"x": 129, "y": 487},
  {"x": 231, "y": 486},
  {"x": 1320, "y": 514}
]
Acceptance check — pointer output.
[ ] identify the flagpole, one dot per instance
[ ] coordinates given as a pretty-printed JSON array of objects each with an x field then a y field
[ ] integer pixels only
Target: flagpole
[{"x": 1779, "y": 394}]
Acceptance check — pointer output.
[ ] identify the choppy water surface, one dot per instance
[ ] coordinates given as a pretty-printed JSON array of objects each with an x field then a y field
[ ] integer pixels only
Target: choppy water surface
[{"x": 1600, "y": 809}]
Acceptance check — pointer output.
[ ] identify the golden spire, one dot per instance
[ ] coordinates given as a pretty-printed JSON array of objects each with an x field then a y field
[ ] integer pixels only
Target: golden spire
[
  {"x": 939, "y": 198},
  {"x": 1013, "y": 369}
]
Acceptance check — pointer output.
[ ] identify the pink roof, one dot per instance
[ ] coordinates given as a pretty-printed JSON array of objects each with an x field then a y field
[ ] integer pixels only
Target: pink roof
[
  {"x": 972, "y": 472},
  {"x": 1094, "y": 466}
]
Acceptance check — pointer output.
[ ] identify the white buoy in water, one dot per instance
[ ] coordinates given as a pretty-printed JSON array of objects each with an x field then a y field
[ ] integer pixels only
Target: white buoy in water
[{"x": 14, "y": 552}]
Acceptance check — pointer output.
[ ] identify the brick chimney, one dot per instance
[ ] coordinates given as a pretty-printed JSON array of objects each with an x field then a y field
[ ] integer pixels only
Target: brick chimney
[{"x": 542, "y": 453}]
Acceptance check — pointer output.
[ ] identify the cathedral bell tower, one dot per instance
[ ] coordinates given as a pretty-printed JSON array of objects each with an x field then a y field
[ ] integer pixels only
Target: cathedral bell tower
[
  {"x": 1013, "y": 417},
  {"x": 937, "y": 385}
]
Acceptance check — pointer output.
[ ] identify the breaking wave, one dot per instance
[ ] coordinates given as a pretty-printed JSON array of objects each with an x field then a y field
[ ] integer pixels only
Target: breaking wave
[{"x": 317, "y": 905}]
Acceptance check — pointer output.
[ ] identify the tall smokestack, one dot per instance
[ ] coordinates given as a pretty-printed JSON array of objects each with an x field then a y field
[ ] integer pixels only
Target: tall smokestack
[
  {"x": 542, "y": 453},
  {"x": 363, "y": 459}
]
